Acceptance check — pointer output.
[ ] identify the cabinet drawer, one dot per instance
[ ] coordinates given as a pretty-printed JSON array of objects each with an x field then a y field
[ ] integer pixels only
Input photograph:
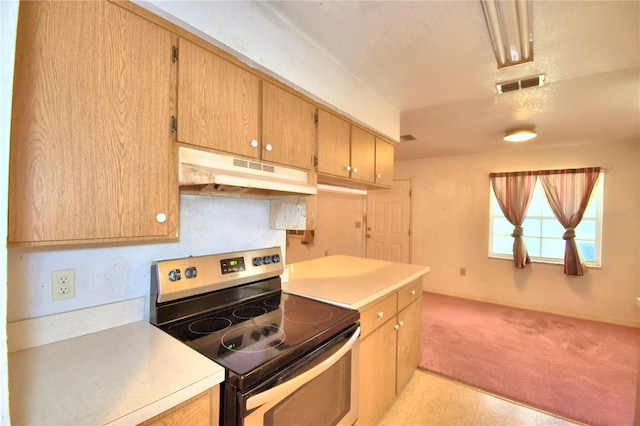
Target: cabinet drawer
[
  {"x": 377, "y": 313},
  {"x": 409, "y": 293}
]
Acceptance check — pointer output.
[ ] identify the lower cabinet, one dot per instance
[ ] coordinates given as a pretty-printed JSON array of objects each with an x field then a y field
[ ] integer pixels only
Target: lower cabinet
[
  {"x": 201, "y": 410},
  {"x": 389, "y": 350}
]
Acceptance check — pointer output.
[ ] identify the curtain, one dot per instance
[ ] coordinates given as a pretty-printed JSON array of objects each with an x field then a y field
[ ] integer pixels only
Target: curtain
[
  {"x": 568, "y": 192},
  {"x": 513, "y": 192}
]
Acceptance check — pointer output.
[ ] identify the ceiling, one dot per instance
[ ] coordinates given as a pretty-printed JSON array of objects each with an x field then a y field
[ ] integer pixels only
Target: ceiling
[{"x": 434, "y": 61}]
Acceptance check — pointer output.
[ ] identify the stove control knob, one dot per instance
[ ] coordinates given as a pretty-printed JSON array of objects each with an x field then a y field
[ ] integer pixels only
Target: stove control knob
[
  {"x": 275, "y": 258},
  {"x": 266, "y": 260},
  {"x": 257, "y": 261},
  {"x": 175, "y": 275},
  {"x": 191, "y": 272}
]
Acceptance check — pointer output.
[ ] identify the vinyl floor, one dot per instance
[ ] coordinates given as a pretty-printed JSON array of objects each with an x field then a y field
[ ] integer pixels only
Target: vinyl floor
[{"x": 432, "y": 400}]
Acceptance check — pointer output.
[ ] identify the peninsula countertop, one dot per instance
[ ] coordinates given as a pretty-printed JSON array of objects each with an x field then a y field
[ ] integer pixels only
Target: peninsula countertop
[{"x": 349, "y": 281}]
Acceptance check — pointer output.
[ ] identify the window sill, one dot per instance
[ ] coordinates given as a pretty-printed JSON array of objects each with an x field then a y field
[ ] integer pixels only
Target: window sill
[{"x": 591, "y": 265}]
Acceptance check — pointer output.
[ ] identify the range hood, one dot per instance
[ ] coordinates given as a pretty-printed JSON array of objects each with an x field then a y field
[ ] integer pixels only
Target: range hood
[{"x": 207, "y": 173}]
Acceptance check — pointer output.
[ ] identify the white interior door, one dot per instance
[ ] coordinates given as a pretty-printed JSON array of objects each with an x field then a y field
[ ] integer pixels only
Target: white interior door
[{"x": 388, "y": 223}]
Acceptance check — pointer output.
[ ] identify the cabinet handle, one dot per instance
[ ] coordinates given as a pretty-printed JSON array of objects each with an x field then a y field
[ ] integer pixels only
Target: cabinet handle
[
  {"x": 355, "y": 170},
  {"x": 413, "y": 292},
  {"x": 380, "y": 314},
  {"x": 348, "y": 168},
  {"x": 401, "y": 323},
  {"x": 254, "y": 143},
  {"x": 161, "y": 217},
  {"x": 397, "y": 326},
  {"x": 268, "y": 147},
  {"x": 378, "y": 176}
]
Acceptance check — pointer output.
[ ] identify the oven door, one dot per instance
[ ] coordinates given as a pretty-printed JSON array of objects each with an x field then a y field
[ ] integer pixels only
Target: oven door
[{"x": 322, "y": 390}]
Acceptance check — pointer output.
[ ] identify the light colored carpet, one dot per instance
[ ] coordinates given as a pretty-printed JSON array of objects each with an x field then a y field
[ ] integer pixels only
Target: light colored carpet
[{"x": 582, "y": 370}]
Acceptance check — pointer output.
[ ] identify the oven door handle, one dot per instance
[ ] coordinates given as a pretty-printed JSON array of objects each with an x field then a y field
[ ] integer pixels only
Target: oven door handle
[{"x": 286, "y": 388}]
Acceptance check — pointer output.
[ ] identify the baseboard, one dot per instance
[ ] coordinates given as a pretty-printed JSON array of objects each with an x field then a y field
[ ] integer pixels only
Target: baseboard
[{"x": 635, "y": 324}]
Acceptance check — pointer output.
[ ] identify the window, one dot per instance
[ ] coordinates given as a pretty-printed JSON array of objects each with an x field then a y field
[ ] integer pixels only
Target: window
[{"x": 543, "y": 232}]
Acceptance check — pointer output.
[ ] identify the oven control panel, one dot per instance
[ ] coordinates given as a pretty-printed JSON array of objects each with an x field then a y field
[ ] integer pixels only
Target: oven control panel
[{"x": 190, "y": 276}]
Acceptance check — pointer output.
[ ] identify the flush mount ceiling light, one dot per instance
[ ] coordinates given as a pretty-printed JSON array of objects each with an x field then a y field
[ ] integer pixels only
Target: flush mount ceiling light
[
  {"x": 510, "y": 28},
  {"x": 521, "y": 135}
]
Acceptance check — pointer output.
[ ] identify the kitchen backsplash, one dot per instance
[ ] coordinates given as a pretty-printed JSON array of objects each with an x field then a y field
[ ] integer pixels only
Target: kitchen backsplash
[{"x": 110, "y": 273}]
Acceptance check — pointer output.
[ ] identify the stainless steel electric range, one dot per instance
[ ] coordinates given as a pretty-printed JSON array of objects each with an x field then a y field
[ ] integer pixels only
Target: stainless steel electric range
[{"x": 288, "y": 359}]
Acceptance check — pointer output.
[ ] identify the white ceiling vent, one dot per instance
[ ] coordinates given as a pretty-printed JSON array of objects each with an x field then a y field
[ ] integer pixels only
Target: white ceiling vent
[{"x": 512, "y": 86}]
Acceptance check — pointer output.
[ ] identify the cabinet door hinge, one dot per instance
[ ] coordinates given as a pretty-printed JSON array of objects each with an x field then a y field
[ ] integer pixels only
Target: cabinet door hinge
[
  {"x": 173, "y": 124},
  {"x": 315, "y": 118},
  {"x": 174, "y": 53},
  {"x": 409, "y": 232},
  {"x": 315, "y": 161}
]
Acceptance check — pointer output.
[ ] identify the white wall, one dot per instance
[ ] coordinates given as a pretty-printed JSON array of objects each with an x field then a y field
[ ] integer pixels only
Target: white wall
[
  {"x": 451, "y": 221},
  {"x": 336, "y": 231},
  {"x": 252, "y": 32},
  {"x": 111, "y": 273},
  {"x": 8, "y": 25}
]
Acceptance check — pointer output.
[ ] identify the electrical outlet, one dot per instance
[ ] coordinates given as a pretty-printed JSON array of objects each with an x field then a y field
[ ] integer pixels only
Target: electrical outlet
[{"x": 63, "y": 284}]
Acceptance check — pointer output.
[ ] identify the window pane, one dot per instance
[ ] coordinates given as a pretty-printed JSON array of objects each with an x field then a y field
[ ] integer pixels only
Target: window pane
[
  {"x": 588, "y": 250},
  {"x": 546, "y": 209},
  {"x": 501, "y": 226},
  {"x": 542, "y": 231},
  {"x": 502, "y": 245},
  {"x": 591, "y": 210},
  {"x": 495, "y": 206},
  {"x": 533, "y": 246},
  {"x": 552, "y": 248},
  {"x": 531, "y": 227},
  {"x": 552, "y": 228},
  {"x": 535, "y": 208},
  {"x": 586, "y": 229}
]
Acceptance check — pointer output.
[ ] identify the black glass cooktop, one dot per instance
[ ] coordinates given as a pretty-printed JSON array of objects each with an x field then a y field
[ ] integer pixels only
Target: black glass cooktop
[{"x": 271, "y": 330}]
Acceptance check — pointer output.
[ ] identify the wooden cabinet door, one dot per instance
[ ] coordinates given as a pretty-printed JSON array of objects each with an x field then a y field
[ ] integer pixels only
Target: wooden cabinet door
[
  {"x": 363, "y": 148},
  {"x": 218, "y": 102},
  {"x": 334, "y": 145},
  {"x": 201, "y": 410},
  {"x": 409, "y": 342},
  {"x": 384, "y": 162},
  {"x": 288, "y": 128},
  {"x": 91, "y": 157},
  {"x": 377, "y": 373}
]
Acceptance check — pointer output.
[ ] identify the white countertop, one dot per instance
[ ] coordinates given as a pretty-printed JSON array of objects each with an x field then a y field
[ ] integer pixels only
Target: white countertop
[
  {"x": 122, "y": 375},
  {"x": 348, "y": 281}
]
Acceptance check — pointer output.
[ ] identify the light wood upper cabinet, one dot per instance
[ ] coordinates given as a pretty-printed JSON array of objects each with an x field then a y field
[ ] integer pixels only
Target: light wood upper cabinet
[
  {"x": 288, "y": 128},
  {"x": 384, "y": 162},
  {"x": 224, "y": 107},
  {"x": 334, "y": 145},
  {"x": 218, "y": 102},
  {"x": 363, "y": 154},
  {"x": 348, "y": 154},
  {"x": 91, "y": 157}
]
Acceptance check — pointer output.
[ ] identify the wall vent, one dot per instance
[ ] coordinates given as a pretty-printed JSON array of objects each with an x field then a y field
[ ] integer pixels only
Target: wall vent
[
  {"x": 407, "y": 138},
  {"x": 512, "y": 86}
]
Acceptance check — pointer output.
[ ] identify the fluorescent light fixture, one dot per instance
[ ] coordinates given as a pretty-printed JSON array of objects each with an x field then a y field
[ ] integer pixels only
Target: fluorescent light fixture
[
  {"x": 341, "y": 189},
  {"x": 510, "y": 28},
  {"x": 522, "y": 135}
]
